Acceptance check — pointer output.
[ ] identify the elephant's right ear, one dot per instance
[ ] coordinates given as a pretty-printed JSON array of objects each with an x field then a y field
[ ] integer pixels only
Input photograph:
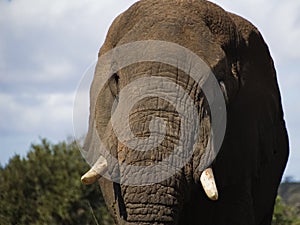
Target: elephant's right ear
[
  {"x": 254, "y": 114},
  {"x": 256, "y": 64}
]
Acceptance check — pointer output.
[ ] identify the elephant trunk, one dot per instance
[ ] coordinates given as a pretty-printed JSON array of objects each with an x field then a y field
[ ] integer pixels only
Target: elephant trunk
[
  {"x": 147, "y": 196},
  {"x": 152, "y": 203},
  {"x": 152, "y": 184}
]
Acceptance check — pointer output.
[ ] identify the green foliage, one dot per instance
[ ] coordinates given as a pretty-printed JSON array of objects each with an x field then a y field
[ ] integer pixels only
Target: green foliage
[
  {"x": 284, "y": 215},
  {"x": 44, "y": 189}
]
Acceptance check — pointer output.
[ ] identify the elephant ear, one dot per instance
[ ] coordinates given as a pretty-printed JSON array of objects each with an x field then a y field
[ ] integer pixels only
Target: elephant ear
[{"x": 255, "y": 124}]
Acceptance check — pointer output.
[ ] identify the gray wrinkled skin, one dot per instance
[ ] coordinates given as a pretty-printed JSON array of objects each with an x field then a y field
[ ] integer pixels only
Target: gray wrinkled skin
[{"x": 251, "y": 161}]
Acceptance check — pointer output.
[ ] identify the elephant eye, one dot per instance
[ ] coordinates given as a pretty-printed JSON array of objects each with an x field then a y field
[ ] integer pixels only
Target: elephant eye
[
  {"x": 114, "y": 88},
  {"x": 114, "y": 84}
]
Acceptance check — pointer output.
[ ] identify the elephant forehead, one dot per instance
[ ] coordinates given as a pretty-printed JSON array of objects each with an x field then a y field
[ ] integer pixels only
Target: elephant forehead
[{"x": 199, "y": 26}]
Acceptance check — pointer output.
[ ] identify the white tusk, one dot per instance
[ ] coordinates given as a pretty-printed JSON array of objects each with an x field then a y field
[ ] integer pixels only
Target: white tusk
[
  {"x": 209, "y": 185},
  {"x": 95, "y": 172},
  {"x": 90, "y": 177}
]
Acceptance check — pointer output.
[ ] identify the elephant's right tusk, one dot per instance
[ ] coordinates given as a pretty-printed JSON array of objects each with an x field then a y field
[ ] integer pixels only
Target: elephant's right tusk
[
  {"x": 209, "y": 185},
  {"x": 95, "y": 172}
]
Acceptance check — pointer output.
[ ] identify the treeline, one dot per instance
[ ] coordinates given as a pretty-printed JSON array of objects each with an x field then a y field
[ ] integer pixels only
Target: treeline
[{"x": 44, "y": 188}]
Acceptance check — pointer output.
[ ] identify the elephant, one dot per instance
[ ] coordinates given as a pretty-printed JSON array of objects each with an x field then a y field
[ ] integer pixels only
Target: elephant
[{"x": 237, "y": 183}]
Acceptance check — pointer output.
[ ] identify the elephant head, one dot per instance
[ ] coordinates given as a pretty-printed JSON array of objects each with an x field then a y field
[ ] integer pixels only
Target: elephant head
[{"x": 129, "y": 136}]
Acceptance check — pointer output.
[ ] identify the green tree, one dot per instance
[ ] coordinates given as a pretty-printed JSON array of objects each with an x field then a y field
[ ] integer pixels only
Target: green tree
[
  {"x": 284, "y": 215},
  {"x": 44, "y": 188}
]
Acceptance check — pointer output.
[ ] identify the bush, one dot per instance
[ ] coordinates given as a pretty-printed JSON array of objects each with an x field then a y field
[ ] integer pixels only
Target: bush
[
  {"x": 284, "y": 215},
  {"x": 45, "y": 188}
]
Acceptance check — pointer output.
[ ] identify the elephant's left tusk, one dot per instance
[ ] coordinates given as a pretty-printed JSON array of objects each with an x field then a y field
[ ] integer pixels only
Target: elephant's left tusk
[
  {"x": 95, "y": 172},
  {"x": 209, "y": 185}
]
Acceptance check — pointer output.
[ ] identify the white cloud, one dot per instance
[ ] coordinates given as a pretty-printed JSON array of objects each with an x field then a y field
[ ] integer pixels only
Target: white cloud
[
  {"x": 51, "y": 40},
  {"x": 38, "y": 115},
  {"x": 62, "y": 13},
  {"x": 2, "y": 57},
  {"x": 59, "y": 70},
  {"x": 55, "y": 71}
]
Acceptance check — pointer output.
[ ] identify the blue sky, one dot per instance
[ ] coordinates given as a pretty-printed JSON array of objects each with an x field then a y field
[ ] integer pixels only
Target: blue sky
[{"x": 46, "y": 46}]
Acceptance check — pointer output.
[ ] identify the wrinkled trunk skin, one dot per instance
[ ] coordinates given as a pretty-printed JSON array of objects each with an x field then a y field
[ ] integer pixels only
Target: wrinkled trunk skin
[
  {"x": 253, "y": 156},
  {"x": 159, "y": 203}
]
